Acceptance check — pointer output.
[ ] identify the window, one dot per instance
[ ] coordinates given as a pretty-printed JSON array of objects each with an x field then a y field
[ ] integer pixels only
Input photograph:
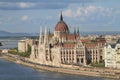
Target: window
[{"x": 81, "y": 60}]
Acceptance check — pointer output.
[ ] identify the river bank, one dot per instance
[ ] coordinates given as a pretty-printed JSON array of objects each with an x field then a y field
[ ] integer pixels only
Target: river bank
[{"x": 97, "y": 72}]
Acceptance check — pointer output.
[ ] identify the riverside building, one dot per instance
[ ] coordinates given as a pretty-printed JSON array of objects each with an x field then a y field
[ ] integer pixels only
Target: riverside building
[
  {"x": 63, "y": 48},
  {"x": 112, "y": 55}
]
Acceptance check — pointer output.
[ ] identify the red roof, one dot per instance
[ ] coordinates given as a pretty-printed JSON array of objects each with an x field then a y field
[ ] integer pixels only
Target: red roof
[
  {"x": 69, "y": 36},
  {"x": 63, "y": 36},
  {"x": 88, "y": 45},
  {"x": 69, "y": 45},
  {"x": 85, "y": 40},
  {"x": 91, "y": 45}
]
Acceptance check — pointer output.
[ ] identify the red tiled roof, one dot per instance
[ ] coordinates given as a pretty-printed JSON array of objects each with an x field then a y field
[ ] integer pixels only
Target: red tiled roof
[
  {"x": 63, "y": 35},
  {"x": 87, "y": 45},
  {"x": 69, "y": 45},
  {"x": 69, "y": 36},
  {"x": 85, "y": 40},
  {"x": 91, "y": 45}
]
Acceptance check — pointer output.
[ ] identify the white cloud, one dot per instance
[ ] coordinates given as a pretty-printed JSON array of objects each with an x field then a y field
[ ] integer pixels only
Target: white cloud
[
  {"x": 68, "y": 13},
  {"x": 23, "y": 5},
  {"x": 26, "y": 5},
  {"x": 87, "y": 11},
  {"x": 24, "y": 18},
  {"x": 30, "y": 5}
]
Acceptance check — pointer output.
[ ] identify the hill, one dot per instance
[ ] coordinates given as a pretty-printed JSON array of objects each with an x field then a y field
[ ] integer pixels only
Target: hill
[{"x": 5, "y": 33}]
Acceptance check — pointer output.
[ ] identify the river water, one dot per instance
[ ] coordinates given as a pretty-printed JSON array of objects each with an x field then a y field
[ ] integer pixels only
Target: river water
[{"x": 12, "y": 71}]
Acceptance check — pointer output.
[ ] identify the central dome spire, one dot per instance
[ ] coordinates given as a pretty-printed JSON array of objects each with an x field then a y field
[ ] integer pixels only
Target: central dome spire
[{"x": 61, "y": 17}]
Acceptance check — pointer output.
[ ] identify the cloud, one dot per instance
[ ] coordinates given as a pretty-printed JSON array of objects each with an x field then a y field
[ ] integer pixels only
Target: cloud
[
  {"x": 30, "y": 5},
  {"x": 88, "y": 11},
  {"x": 24, "y": 18},
  {"x": 38, "y": 4},
  {"x": 69, "y": 13},
  {"x": 25, "y": 5},
  {"x": 67, "y": 1}
]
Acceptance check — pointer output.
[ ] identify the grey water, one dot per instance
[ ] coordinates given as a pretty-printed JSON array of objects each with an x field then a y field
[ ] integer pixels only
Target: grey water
[{"x": 13, "y": 71}]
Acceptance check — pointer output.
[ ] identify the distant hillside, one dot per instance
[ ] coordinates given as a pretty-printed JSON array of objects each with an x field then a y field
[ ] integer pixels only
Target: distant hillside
[
  {"x": 0, "y": 44},
  {"x": 9, "y": 34},
  {"x": 5, "y": 33}
]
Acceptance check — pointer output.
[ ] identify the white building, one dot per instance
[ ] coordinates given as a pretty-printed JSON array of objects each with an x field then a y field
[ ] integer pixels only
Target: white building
[
  {"x": 112, "y": 55},
  {"x": 23, "y": 45}
]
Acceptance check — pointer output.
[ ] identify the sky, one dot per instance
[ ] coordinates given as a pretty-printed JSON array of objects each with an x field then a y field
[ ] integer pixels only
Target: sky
[{"x": 89, "y": 15}]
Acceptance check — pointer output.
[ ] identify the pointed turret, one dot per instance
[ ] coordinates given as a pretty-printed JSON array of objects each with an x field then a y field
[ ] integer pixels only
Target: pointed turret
[
  {"x": 49, "y": 31},
  {"x": 74, "y": 30},
  {"x": 41, "y": 36},
  {"x": 46, "y": 36},
  {"x": 61, "y": 17},
  {"x": 78, "y": 30}
]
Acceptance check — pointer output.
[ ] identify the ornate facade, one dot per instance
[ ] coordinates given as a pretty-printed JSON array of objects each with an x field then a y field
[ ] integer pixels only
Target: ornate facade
[{"x": 62, "y": 48}]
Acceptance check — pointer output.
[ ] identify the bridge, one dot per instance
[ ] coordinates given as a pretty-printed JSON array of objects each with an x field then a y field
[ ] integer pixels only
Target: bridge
[{"x": 7, "y": 40}]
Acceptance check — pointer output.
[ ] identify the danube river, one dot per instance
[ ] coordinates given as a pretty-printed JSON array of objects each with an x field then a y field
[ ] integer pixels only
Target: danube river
[
  {"x": 13, "y": 71},
  {"x": 9, "y": 43}
]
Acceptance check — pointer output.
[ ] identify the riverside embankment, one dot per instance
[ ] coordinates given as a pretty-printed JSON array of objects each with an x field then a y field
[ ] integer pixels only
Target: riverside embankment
[{"x": 98, "y": 72}]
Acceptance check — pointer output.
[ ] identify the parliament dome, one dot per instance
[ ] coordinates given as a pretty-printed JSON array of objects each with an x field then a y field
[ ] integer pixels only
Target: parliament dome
[{"x": 61, "y": 26}]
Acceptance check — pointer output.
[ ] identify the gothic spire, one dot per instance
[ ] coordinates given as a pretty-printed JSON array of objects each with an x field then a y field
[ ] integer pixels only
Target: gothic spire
[
  {"x": 46, "y": 36},
  {"x": 78, "y": 30},
  {"x": 49, "y": 31},
  {"x": 41, "y": 36},
  {"x": 61, "y": 17},
  {"x": 74, "y": 30}
]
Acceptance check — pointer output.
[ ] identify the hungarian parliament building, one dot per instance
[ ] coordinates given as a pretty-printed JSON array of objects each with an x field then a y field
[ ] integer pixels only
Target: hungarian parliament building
[{"x": 63, "y": 47}]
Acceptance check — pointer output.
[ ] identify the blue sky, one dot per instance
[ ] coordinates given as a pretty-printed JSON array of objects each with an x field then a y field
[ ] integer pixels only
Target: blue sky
[{"x": 88, "y": 15}]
